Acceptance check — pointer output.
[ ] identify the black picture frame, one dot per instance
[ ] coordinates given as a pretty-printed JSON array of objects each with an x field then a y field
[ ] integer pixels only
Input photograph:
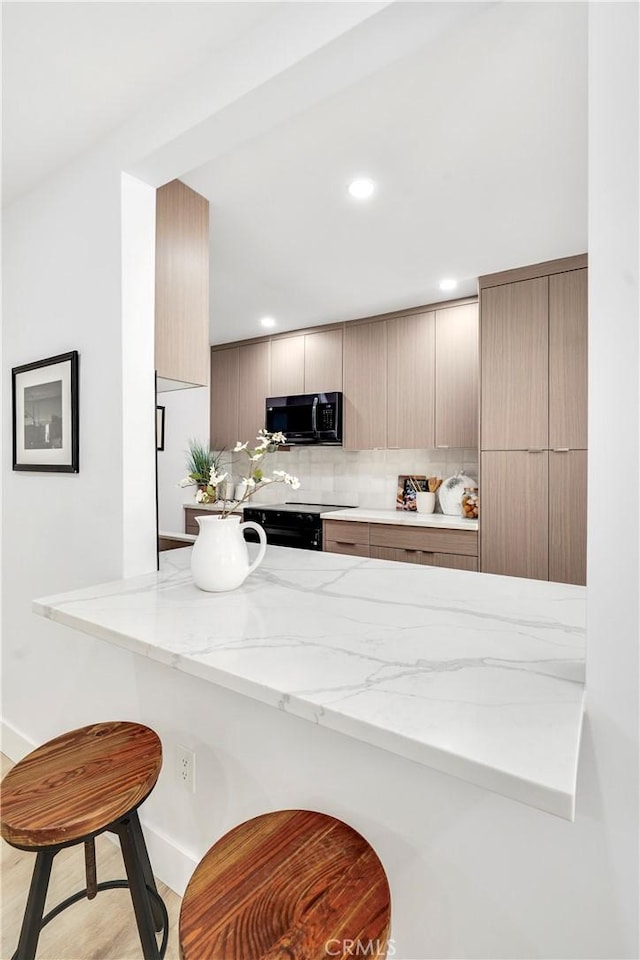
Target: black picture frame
[
  {"x": 46, "y": 393},
  {"x": 159, "y": 427}
]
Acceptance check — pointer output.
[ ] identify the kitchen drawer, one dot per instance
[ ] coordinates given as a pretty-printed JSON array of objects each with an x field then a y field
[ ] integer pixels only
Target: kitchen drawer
[
  {"x": 345, "y": 531},
  {"x": 395, "y": 553},
  {"x": 430, "y": 539},
  {"x": 349, "y": 549},
  {"x": 455, "y": 561}
]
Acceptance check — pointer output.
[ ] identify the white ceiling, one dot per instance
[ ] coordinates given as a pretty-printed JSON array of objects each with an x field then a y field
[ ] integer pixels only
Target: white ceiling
[
  {"x": 478, "y": 144},
  {"x": 73, "y": 72}
]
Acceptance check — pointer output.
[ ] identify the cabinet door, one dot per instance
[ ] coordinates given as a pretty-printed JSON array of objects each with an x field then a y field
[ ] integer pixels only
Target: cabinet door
[
  {"x": 287, "y": 367},
  {"x": 411, "y": 376},
  {"x": 224, "y": 398},
  {"x": 514, "y": 346},
  {"x": 365, "y": 386},
  {"x": 457, "y": 369},
  {"x": 182, "y": 285},
  {"x": 323, "y": 361},
  {"x": 568, "y": 516},
  {"x": 253, "y": 388},
  {"x": 568, "y": 360},
  {"x": 514, "y": 538}
]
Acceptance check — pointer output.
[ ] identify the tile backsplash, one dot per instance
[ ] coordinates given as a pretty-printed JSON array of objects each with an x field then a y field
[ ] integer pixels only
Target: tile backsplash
[{"x": 362, "y": 478}]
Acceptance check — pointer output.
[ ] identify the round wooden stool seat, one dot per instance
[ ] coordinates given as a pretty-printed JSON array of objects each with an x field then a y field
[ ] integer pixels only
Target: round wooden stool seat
[
  {"x": 290, "y": 885},
  {"x": 78, "y": 784}
]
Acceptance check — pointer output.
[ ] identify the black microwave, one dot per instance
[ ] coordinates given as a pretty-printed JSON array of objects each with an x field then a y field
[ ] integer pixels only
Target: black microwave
[{"x": 306, "y": 418}]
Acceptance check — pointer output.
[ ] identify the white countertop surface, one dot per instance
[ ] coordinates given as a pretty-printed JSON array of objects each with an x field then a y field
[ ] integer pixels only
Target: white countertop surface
[
  {"x": 478, "y": 676},
  {"x": 403, "y": 517}
]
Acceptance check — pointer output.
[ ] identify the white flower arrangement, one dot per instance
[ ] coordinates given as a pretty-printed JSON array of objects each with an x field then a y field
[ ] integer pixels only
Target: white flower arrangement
[{"x": 255, "y": 478}]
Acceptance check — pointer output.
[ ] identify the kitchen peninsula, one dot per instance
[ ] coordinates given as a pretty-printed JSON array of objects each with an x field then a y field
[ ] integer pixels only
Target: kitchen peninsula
[{"x": 478, "y": 677}]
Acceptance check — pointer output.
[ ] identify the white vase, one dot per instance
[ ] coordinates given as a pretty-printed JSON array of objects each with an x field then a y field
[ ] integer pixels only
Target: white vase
[
  {"x": 220, "y": 559},
  {"x": 425, "y": 502}
]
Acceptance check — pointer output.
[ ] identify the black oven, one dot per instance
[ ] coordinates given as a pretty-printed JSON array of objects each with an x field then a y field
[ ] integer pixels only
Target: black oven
[
  {"x": 306, "y": 418},
  {"x": 290, "y": 524}
]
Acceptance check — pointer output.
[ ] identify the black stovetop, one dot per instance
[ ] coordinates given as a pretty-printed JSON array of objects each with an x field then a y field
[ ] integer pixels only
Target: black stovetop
[{"x": 316, "y": 508}]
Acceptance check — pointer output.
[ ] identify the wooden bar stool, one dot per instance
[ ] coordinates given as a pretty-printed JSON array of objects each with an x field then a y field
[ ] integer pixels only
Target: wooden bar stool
[
  {"x": 69, "y": 791},
  {"x": 290, "y": 885}
]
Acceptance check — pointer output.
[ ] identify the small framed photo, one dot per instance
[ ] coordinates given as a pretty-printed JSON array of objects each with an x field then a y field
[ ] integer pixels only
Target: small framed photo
[
  {"x": 46, "y": 415},
  {"x": 408, "y": 486},
  {"x": 160, "y": 428}
]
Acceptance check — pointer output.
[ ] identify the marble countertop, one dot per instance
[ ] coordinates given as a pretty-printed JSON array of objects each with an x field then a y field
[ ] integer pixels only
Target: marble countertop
[
  {"x": 478, "y": 676},
  {"x": 404, "y": 518}
]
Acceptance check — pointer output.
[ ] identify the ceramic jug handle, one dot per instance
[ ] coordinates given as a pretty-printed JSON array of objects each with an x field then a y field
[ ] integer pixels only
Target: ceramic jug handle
[{"x": 263, "y": 543}]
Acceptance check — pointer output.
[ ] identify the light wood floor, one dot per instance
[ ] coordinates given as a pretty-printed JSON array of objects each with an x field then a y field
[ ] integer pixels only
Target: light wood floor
[{"x": 100, "y": 929}]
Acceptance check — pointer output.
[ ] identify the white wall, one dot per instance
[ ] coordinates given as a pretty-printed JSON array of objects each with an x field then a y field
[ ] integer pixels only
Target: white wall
[
  {"x": 186, "y": 418},
  {"x": 472, "y": 874}
]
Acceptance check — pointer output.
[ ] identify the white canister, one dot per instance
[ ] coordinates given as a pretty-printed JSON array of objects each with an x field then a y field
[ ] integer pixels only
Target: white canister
[
  {"x": 241, "y": 489},
  {"x": 425, "y": 502}
]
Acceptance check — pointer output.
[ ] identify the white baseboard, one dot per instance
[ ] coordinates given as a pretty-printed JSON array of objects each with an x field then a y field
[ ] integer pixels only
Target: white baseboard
[
  {"x": 14, "y": 744},
  {"x": 171, "y": 863}
]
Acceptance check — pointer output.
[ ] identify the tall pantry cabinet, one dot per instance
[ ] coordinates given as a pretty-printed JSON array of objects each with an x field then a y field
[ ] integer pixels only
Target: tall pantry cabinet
[{"x": 533, "y": 438}]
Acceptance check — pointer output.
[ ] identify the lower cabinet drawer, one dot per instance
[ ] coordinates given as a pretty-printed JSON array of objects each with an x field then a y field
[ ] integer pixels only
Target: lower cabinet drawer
[
  {"x": 350, "y": 549},
  {"x": 455, "y": 561},
  {"x": 345, "y": 531},
  {"x": 396, "y": 553}
]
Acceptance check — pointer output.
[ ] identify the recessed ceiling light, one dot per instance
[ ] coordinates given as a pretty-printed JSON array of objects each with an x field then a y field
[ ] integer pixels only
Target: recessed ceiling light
[
  {"x": 268, "y": 322},
  {"x": 362, "y": 188},
  {"x": 448, "y": 283}
]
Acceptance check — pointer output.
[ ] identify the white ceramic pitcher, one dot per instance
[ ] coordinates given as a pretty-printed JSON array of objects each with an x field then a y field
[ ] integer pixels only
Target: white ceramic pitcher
[{"x": 220, "y": 559}]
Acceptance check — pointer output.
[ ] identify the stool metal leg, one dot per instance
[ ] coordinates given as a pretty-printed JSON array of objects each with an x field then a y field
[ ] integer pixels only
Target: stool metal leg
[
  {"x": 149, "y": 879},
  {"x": 138, "y": 889},
  {"x": 31, "y": 923}
]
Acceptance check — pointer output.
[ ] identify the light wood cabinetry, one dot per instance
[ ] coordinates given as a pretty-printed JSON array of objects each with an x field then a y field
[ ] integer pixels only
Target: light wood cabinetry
[
  {"x": 568, "y": 516},
  {"x": 515, "y": 365},
  {"x": 225, "y": 371},
  {"x": 323, "y": 361},
  {"x": 253, "y": 388},
  {"x": 429, "y": 546},
  {"x": 365, "y": 386},
  {"x": 514, "y": 515},
  {"x": 287, "y": 366},
  {"x": 568, "y": 360},
  {"x": 456, "y": 376},
  {"x": 410, "y": 381},
  {"x": 181, "y": 287},
  {"x": 534, "y": 421}
]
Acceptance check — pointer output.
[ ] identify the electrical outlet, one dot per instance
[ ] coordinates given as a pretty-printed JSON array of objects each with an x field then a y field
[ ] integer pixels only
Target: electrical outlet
[{"x": 186, "y": 767}]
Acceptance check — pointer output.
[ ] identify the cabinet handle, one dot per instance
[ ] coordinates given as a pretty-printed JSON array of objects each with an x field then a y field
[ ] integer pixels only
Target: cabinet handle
[
  {"x": 535, "y": 450},
  {"x": 406, "y": 550},
  {"x": 561, "y": 449},
  {"x": 442, "y": 446},
  {"x": 347, "y": 543}
]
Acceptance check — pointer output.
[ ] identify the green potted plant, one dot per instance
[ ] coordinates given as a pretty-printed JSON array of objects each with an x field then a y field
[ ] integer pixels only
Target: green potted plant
[{"x": 202, "y": 464}]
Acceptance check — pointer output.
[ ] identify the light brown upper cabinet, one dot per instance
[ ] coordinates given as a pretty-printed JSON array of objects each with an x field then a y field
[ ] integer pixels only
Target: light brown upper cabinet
[
  {"x": 365, "y": 385},
  {"x": 253, "y": 388},
  {"x": 410, "y": 381},
  {"x": 514, "y": 531},
  {"x": 515, "y": 365},
  {"x": 568, "y": 360},
  {"x": 287, "y": 366},
  {"x": 456, "y": 376},
  {"x": 182, "y": 287},
  {"x": 225, "y": 370},
  {"x": 323, "y": 361},
  {"x": 306, "y": 363}
]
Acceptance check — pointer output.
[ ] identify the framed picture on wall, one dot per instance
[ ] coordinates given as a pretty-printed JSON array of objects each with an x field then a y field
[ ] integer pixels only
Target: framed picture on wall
[
  {"x": 159, "y": 428},
  {"x": 46, "y": 415}
]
